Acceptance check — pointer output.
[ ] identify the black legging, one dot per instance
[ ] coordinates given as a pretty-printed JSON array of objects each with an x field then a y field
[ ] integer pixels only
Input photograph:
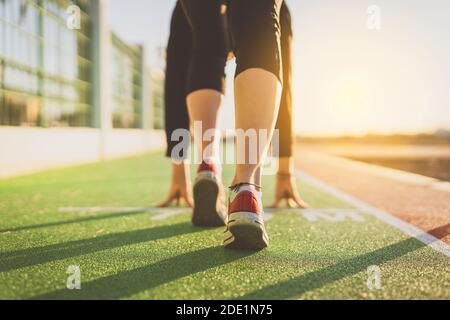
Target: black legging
[{"x": 201, "y": 36}]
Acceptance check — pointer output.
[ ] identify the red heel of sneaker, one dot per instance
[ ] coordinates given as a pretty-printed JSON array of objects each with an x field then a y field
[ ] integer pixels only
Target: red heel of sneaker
[
  {"x": 245, "y": 228},
  {"x": 208, "y": 209}
]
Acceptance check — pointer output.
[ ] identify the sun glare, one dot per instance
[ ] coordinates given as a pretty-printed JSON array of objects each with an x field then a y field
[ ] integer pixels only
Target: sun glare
[{"x": 350, "y": 98}]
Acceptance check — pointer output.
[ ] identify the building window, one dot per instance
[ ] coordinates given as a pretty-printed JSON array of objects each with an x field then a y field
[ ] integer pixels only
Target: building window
[
  {"x": 126, "y": 84},
  {"x": 45, "y": 67}
]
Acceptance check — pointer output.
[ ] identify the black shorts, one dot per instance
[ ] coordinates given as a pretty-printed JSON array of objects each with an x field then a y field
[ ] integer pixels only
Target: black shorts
[
  {"x": 203, "y": 33},
  {"x": 250, "y": 28}
]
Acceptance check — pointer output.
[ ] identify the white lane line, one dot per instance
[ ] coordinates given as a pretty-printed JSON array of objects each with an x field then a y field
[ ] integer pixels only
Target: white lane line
[
  {"x": 117, "y": 210},
  {"x": 411, "y": 230},
  {"x": 327, "y": 214},
  {"x": 162, "y": 213},
  {"x": 267, "y": 216},
  {"x": 100, "y": 209},
  {"x": 169, "y": 213}
]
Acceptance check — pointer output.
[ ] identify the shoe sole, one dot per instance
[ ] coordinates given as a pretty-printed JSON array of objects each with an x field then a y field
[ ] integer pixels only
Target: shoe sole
[
  {"x": 246, "y": 231},
  {"x": 206, "y": 211}
]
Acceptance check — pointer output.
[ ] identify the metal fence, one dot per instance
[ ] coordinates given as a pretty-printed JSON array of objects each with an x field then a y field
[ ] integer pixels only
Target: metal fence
[{"x": 46, "y": 68}]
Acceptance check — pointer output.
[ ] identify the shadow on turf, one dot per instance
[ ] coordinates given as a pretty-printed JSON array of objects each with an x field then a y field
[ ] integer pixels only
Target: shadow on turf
[
  {"x": 84, "y": 219},
  {"x": 294, "y": 287},
  {"x": 130, "y": 282},
  {"x": 34, "y": 256}
]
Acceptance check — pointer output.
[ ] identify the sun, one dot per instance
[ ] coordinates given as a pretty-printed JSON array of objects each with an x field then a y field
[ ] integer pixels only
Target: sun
[{"x": 350, "y": 97}]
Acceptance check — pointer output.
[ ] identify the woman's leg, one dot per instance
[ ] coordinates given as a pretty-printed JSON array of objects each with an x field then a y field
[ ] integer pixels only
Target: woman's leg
[
  {"x": 176, "y": 116},
  {"x": 207, "y": 19},
  {"x": 286, "y": 186},
  {"x": 256, "y": 32},
  {"x": 179, "y": 51},
  {"x": 284, "y": 121},
  {"x": 204, "y": 107},
  {"x": 255, "y": 28}
]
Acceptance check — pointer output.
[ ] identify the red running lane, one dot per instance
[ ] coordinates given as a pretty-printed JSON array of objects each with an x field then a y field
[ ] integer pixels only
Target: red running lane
[{"x": 418, "y": 204}]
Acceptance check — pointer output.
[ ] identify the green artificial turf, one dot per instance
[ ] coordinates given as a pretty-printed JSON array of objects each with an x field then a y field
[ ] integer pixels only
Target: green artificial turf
[{"x": 128, "y": 255}]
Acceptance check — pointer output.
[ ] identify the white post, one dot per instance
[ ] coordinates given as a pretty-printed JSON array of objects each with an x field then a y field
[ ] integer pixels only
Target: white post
[
  {"x": 101, "y": 60},
  {"x": 146, "y": 112}
]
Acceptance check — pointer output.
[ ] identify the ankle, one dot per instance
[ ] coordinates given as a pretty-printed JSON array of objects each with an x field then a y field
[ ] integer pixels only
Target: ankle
[{"x": 236, "y": 186}]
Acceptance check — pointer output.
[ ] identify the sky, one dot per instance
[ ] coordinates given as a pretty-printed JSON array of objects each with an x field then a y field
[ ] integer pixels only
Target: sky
[{"x": 355, "y": 72}]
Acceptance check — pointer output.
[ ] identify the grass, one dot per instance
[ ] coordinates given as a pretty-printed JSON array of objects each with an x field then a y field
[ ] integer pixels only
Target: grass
[{"x": 127, "y": 255}]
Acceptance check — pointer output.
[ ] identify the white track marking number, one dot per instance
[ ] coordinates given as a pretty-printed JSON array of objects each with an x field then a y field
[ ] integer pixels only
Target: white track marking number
[{"x": 331, "y": 215}]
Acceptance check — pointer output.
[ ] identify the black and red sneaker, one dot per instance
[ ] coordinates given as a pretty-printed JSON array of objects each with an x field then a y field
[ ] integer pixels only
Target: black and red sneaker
[
  {"x": 209, "y": 207},
  {"x": 245, "y": 227}
]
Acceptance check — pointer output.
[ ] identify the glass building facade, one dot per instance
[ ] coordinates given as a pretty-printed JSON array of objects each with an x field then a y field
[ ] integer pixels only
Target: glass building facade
[
  {"x": 46, "y": 68},
  {"x": 157, "y": 78},
  {"x": 126, "y": 68}
]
